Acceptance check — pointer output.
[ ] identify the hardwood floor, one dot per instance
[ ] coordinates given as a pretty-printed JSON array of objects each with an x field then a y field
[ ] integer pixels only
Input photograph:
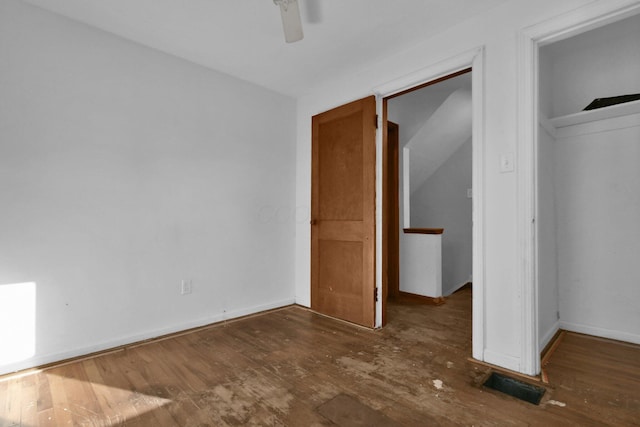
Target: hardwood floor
[
  {"x": 295, "y": 368},
  {"x": 598, "y": 379}
]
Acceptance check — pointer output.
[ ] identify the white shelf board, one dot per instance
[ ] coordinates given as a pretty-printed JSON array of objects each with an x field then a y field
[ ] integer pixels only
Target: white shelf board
[{"x": 612, "y": 111}]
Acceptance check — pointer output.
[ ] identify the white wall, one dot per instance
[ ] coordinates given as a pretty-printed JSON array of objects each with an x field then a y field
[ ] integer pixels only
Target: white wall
[
  {"x": 600, "y": 63},
  {"x": 548, "y": 306},
  {"x": 124, "y": 171},
  {"x": 444, "y": 132},
  {"x": 497, "y": 31},
  {"x": 421, "y": 264},
  {"x": 545, "y": 83},
  {"x": 442, "y": 202},
  {"x": 598, "y": 198}
]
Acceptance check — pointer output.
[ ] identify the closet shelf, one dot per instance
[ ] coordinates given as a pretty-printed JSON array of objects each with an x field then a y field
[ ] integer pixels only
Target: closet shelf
[{"x": 618, "y": 110}]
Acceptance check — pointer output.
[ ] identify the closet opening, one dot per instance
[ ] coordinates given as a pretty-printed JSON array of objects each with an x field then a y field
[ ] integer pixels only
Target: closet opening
[{"x": 588, "y": 184}]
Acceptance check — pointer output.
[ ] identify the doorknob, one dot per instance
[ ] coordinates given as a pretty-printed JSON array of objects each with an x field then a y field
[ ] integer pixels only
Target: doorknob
[{"x": 313, "y": 222}]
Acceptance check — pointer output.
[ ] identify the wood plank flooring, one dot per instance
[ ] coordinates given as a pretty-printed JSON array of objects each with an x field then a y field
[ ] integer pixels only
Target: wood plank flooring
[
  {"x": 289, "y": 367},
  {"x": 598, "y": 379}
]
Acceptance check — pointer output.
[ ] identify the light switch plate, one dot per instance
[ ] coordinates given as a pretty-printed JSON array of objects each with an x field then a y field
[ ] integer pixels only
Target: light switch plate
[{"x": 506, "y": 162}]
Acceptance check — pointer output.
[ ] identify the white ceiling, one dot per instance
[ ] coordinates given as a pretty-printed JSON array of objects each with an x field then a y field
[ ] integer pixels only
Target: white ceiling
[{"x": 244, "y": 37}]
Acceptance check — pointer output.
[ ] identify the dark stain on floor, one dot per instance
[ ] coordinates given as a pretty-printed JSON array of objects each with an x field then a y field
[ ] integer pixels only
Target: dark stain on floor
[{"x": 347, "y": 411}]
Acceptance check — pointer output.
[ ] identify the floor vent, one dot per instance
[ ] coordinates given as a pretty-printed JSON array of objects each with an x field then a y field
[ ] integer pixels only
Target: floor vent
[{"x": 515, "y": 388}]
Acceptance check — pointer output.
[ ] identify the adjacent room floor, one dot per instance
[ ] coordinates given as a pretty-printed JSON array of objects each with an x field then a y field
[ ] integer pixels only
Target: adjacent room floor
[{"x": 295, "y": 368}]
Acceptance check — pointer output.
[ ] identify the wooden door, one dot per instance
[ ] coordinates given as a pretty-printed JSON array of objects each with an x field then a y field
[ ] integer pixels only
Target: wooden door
[{"x": 343, "y": 212}]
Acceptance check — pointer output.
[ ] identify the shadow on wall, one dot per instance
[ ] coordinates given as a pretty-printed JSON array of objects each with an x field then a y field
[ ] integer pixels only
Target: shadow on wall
[
  {"x": 442, "y": 201},
  {"x": 435, "y": 125}
]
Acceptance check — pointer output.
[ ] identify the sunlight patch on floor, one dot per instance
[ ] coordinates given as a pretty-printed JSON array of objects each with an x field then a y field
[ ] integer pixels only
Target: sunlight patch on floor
[{"x": 92, "y": 404}]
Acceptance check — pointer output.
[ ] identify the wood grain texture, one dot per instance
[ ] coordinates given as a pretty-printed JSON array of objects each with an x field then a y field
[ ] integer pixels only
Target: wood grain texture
[
  {"x": 281, "y": 367},
  {"x": 390, "y": 218},
  {"x": 598, "y": 379},
  {"x": 423, "y": 230},
  {"x": 408, "y": 297},
  {"x": 343, "y": 212}
]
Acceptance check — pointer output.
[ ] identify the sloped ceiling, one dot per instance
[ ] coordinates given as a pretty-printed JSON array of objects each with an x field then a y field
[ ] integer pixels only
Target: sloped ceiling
[
  {"x": 434, "y": 122},
  {"x": 244, "y": 37},
  {"x": 442, "y": 134}
]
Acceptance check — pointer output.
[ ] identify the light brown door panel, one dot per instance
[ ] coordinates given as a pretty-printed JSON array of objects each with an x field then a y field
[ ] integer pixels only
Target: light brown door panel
[{"x": 343, "y": 212}]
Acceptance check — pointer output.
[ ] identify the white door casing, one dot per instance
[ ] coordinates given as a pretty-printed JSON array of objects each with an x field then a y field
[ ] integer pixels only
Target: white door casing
[
  {"x": 586, "y": 18},
  {"x": 475, "y": 59}
]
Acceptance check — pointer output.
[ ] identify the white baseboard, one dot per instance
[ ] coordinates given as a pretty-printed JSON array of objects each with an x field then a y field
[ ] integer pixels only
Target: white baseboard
[
  {"x": 547, "y": 337},
  {"x": 130, "y": 339},
  {"x": 600, "y": 332},
  {"x": 455, "y": 288},
  {"x": 304, "y": 301},
  {"x": 502, "y": 360}
]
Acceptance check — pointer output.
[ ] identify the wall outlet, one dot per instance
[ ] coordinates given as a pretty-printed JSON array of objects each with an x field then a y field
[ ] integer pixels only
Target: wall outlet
[{"x": 185, "y": 287}]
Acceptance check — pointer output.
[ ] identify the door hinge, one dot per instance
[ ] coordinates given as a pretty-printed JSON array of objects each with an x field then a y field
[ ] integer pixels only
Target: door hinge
[
  {"x": 376, "y": 119},
  {"x": 375, "y": 295}
]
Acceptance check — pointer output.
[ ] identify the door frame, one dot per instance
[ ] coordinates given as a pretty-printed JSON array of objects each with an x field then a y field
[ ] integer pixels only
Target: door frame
[
  {"x": 529, "y": 41},
  {"x": 390, "y": 216},
  {"x": 473, "y": 59}
]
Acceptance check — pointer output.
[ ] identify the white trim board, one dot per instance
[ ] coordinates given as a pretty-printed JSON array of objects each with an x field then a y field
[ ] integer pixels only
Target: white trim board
[
  {"x": 546, "y": 339},
  {"x": 473, "y": 58},
  {"x": 425, "y": 75},
  {"x": 547, "y": 125},
  {"x": 612, "y": 111},
  {"x": 508, "y": 362},
  {"x": 598, "y": 126},
  {"x": 600, "y": 332},
  {"x": 585, "y": 18},
  {"x": 133, "y": 339}
]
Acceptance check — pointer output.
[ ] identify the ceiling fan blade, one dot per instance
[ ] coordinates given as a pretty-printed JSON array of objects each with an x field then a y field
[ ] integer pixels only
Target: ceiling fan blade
[{"x": 291, "y": 22}]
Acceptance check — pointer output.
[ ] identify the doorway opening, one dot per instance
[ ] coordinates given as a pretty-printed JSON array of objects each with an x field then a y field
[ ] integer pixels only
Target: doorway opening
[
  {"x": 453, "y": 66},
  {"x": 428, "y": 188},
  {"x": 360, "y": 207},
  {"x": 427, "y": 194}
]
